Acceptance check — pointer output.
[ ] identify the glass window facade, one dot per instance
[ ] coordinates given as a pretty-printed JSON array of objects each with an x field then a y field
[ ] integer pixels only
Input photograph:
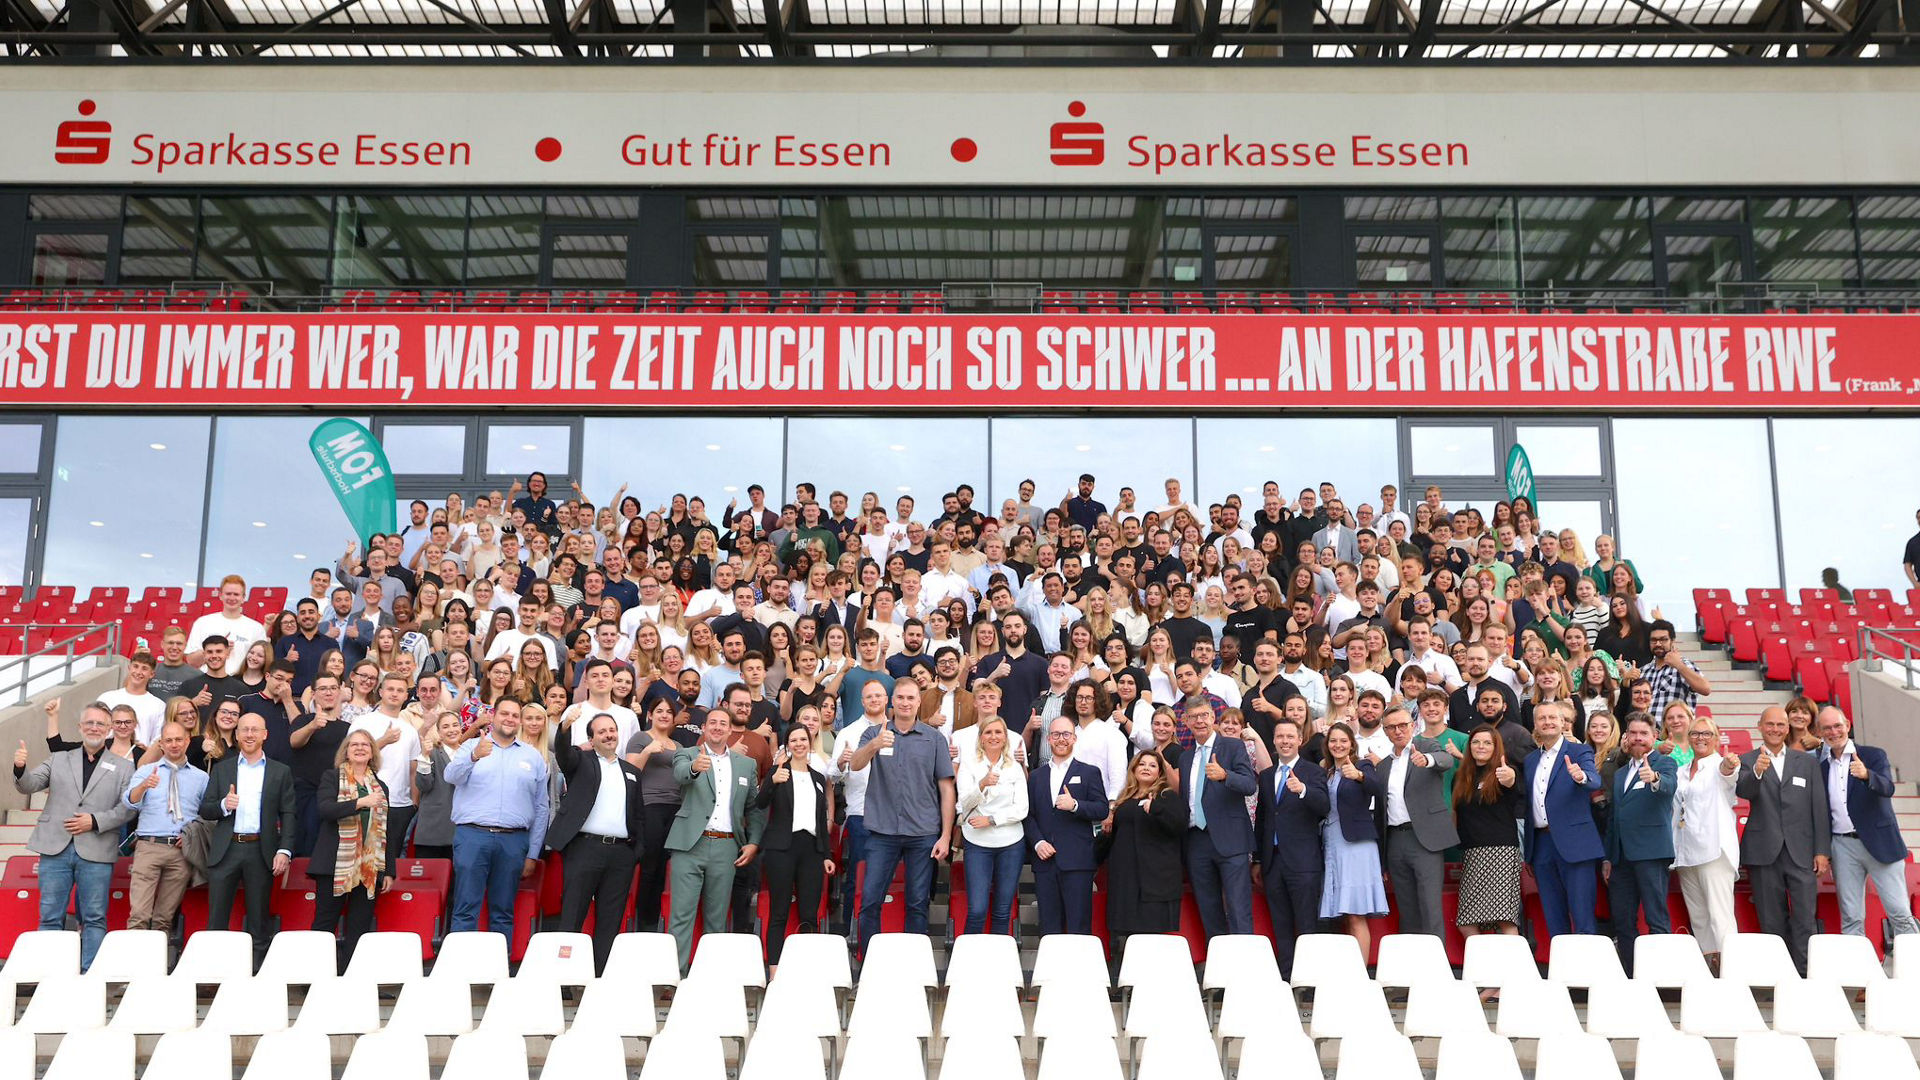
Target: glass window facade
[
  {"x": 271, "y": 517},
  {"x": 128, "y": 493},
  {"x": 1593, "y": 246},
  {"x": 1830, "y": 467}
]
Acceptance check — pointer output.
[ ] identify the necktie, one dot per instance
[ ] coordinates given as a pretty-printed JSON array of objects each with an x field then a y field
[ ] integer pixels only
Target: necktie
[
  {"x": 173, "y": 794},
  {"x": 1199, "y": 786}
]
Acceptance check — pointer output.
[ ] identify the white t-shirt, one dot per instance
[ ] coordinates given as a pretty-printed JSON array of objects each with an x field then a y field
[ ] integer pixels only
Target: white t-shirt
[
  {"x": 711, "y": 598},
  {"x": 628, "y": 720},
  {"x": 631, "y": 618},
  {"x": 509, "y": 642},
  {"x": 149, "y": 710},
  {"x": 396, "y": 759},
  {"x": 242, "y": 632}
]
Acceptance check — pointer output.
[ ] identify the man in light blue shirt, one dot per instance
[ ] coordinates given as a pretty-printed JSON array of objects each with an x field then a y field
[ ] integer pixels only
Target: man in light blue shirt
[
  {"x": 982, "y": 576},
  {"x": 1053, "y": 615},
  {"x": 167, "y": 795},
  {"x": 499, "y": 817},
  {"x": 715, "y": 680}
]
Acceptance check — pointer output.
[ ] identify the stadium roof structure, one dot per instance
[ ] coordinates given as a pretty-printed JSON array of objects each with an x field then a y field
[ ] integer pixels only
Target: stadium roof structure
[{"x": 966, "y": 31}]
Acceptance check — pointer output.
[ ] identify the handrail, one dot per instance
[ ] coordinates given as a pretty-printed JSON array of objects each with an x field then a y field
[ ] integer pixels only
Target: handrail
[
  {"x": 1906, "y": 656},
  {"x": 68, "y": 648}
]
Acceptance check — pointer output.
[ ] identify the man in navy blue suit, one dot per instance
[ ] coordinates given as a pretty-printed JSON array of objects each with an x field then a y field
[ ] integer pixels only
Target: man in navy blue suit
[
  {"x": 1065, "y": 798},
  {"x": 1219, "y": 777},
  {"x": 1640, "y": 836},
  {"x": 1563, "y": 844},
  {"x": 1293, "y": 803},
  {"x": 1866, "y": 838}
]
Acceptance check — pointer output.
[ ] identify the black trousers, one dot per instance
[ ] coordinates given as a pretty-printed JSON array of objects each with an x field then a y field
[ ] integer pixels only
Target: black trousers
[
  {"x": 355, "y": 908},
  {"x": 243, "y": 866},
  {"x": 794, "y": 876},
  {"x": 658, "y": 818},
  {"x": 597, "y": 875},
  {"x": 398, "y": 819},
  {"x": 1293, "y": 899}
]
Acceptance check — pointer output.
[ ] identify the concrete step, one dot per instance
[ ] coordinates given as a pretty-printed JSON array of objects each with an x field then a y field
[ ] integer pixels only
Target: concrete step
[{"x": 22, "y": 817}]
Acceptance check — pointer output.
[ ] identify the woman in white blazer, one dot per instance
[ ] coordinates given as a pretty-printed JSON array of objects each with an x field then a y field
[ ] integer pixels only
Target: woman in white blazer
[
  {"x": 992, "y": 806},
  {"x": 1706, "y": 843}
]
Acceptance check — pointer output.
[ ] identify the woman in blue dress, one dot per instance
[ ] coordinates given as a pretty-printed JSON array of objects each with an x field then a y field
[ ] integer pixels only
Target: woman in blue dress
[{"x": 1353, "y": 892}]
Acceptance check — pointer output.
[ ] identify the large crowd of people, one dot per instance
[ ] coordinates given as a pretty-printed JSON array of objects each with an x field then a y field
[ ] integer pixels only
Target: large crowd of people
[{"x": 1296, "y": 704}]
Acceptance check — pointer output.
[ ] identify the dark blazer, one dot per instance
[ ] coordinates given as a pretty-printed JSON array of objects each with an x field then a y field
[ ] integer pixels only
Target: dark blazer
[
  {"x": 1225, "y": 800},
  {"x": 1783, "y": 814},
  {"x": 582, "y": 772},
  {"x": 849, "y": 619},
  {"x": 1870, "y": 804},
  {"x": 1569, "y": 805},
  {"x": 1288, "y": 825},
  {"x": 1641, "y": 824},
  {"x": 278, "y": 823},
  {"x": 777, "y": 801},
  {"x": 1147, "y": 843},
  {"x": 326, "y": 850},
  {"x": 1069, "y": 831},
  {"x": 1354, "y": 803}
]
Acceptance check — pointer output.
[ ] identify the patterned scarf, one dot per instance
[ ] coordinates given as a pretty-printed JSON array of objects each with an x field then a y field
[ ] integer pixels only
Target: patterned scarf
[{"x": 363, "y": 841}]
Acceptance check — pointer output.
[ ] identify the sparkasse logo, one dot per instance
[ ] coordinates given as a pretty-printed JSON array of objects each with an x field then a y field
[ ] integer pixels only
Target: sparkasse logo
[
  {"x": 83, "y": 142},
  {"x": 1076, "y": 141}
]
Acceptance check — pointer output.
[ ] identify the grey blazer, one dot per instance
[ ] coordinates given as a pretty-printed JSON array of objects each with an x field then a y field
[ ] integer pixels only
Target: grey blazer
[
  {"x": 1786, "y": 812},
  {"x": 1429, "y": 803},
  {"x": 103, "y": 797}
]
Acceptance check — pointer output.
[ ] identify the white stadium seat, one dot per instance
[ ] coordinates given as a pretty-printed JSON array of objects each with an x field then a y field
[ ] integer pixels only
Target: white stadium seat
[
  {"x": 100, "y": 1055},
  {"x": 559, "y": 958},
  {"x": 1773, "y": 1057},
  {"x": 1584, "y": 960},
  {"x": 216, "y": 956},
  {"x": 1668, "y": 960},
  {"x": 981, "y": 958},
  {"x": 1864, "y": 1056},
  {"x": 301, "y": 956},
  {"x": 386, "y": 958},
  {"x": 126, "y": 955},
  {"x": 1756, "y": 960},
  {"x": 188, "y": 1055},
  {"x": 388, "y": 1055},
  {"x": 1843, "y": 959},
  {"x": 1410, "y": 960},
  {"x": 40, "y": 955},
  {"x": 290, "y": 1055}
]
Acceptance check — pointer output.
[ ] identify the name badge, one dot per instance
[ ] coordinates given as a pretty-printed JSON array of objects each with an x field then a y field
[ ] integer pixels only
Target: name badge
[
  {"x": 1799, "y": 781},
  {"x": 629, "y": 777},
  {"x": 109, "y": 766},
  {"x": 742, "y": 781},
  {"x": 526, "y": 766},
  {"x": 1073, "y": 780}
]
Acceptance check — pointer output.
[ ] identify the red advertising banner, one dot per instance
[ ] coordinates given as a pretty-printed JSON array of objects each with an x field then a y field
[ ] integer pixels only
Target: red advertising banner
[{"x": 1203, "y": 362}]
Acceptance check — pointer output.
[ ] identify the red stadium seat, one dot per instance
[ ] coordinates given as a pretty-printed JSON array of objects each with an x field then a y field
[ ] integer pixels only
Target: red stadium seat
[
  {"x": 1872, "y": 596},
  {"x": 1736, "y": 741},
  {"x": 1766, "y": 596},
  {"x": 1815, "y": 596},
  {"x": 1776, "y": 657},
  {"x": 1745, "y": 637},
  {"x": 1843, "y": 693},
  {"x": 1811, "y": 671},
  {"x": 1712, "y": 617}
]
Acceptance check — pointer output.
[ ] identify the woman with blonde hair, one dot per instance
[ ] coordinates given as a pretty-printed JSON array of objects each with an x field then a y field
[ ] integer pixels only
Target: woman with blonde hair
[
  {"x": 1129, "y": 619},
  {"x": 1675, "y": 727},
  {"x": 673, "y": 620},
  {"x": 1706, "y": 840},
  {"x": 992, "y": 805},
  {"x": 352, "y": 863},
  {"x": 1098, "y": 620},
  {"x": 1158, "y": 659},
  {"x": 536, "y": 730}
]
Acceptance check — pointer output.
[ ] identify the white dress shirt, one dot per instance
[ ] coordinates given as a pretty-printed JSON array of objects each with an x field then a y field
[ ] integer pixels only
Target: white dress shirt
[
  {"x": 1549, "y": 757},
  {"x": 628, "y": 720},
  {"x": 721, "y": 820},
  {"x": 1837, "y": 786},
  {"x": 250, "y": 781},
  {"x": 1397, "y": 769},
  {"x": 396, "y": 759},
  {"x": 1102, "y": 745},
  {"x": 854, "y": 781},
  {"x": 609, "y": 814}
]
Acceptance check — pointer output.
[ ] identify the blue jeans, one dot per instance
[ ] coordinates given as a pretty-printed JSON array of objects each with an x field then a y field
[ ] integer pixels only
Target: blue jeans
[
  {"x": 853, "y": 852},
  {"x": 993, "y": 878},
  {"x": 64, "y": 875},
  {"x": 885, "y": 853},
  {"x": 486, "y": 863}
]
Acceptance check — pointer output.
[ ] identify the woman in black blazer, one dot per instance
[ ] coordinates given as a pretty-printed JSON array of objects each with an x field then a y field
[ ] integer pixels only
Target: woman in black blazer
[
  {"x": 352, "y": 863},
  {"x": 798, "y": 799},
  {"x": 1146, "y": 829}
]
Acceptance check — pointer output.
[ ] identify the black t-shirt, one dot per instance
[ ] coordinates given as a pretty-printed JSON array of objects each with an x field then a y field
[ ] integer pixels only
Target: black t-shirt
[
  {"x": 224, "y": 688},
  {"x": 1185, "y": 632},
  {"x": 1277, "y": 692},
  {"x": 279, "y": 728},
  {"x": 309, "y": 761},
  {"x": 1249, "y": 626},
  {"x": 1912, "y": 557}
]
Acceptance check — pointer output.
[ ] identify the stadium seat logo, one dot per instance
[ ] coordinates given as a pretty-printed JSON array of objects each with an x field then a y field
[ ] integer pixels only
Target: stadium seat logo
[
  {"x": 1076, "y": 141},
  {"x": 83, "y": 142}
]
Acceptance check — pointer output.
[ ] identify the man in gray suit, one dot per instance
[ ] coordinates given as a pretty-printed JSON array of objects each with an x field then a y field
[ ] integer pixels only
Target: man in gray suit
[
  {"x": 1789, "y": 835},
  {"x": 1418, "y": 815},
  {"x": 78, "y": 834},
  {"x": 711, "y": 836},
  {"x": 1338, "y": 534}
]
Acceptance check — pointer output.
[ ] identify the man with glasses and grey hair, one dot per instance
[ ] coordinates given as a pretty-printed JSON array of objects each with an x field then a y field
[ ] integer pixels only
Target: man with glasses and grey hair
[
  {"x": 1418, "y": 815},
  {"x": 78, "y": 834}
]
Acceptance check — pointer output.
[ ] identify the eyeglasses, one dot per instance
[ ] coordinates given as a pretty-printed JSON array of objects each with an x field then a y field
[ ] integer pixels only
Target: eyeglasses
[{"x": 1059, "y": 734}]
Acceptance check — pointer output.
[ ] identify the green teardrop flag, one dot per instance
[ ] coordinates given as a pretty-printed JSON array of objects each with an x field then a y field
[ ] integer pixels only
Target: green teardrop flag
[
  {"x": 356, "y": 469},
  {"x": 1520, "y": 477}
]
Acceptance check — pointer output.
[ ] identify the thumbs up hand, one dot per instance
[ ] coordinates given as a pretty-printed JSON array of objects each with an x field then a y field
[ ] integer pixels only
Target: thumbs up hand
[
  {"x": 1574, "y": 770},
  {"x": 20, "y": 756},
  {"x": 232, "y": 801},
  {"x": 1294, "y": 785},
  {"x": 483, "y": 747}
]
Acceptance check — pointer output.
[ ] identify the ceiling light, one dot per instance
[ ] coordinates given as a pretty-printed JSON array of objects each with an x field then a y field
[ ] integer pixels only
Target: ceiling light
[
  {"x": 904, "y": 488},
  {"x": 98, "y": 524},
  {"x": 259, "y": 524},
  {"x": 897, "y": 447},
  {"x": 713, "y": 446},
  {"x": 1083, "y": 448},
  {"x": 297, "y": 555},
  {"x": 1264, "y": 450},
  {"x": 528, "y": 446},
  {"x": 146, "y": 554},
  {"x": 156, "y": 446}
]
